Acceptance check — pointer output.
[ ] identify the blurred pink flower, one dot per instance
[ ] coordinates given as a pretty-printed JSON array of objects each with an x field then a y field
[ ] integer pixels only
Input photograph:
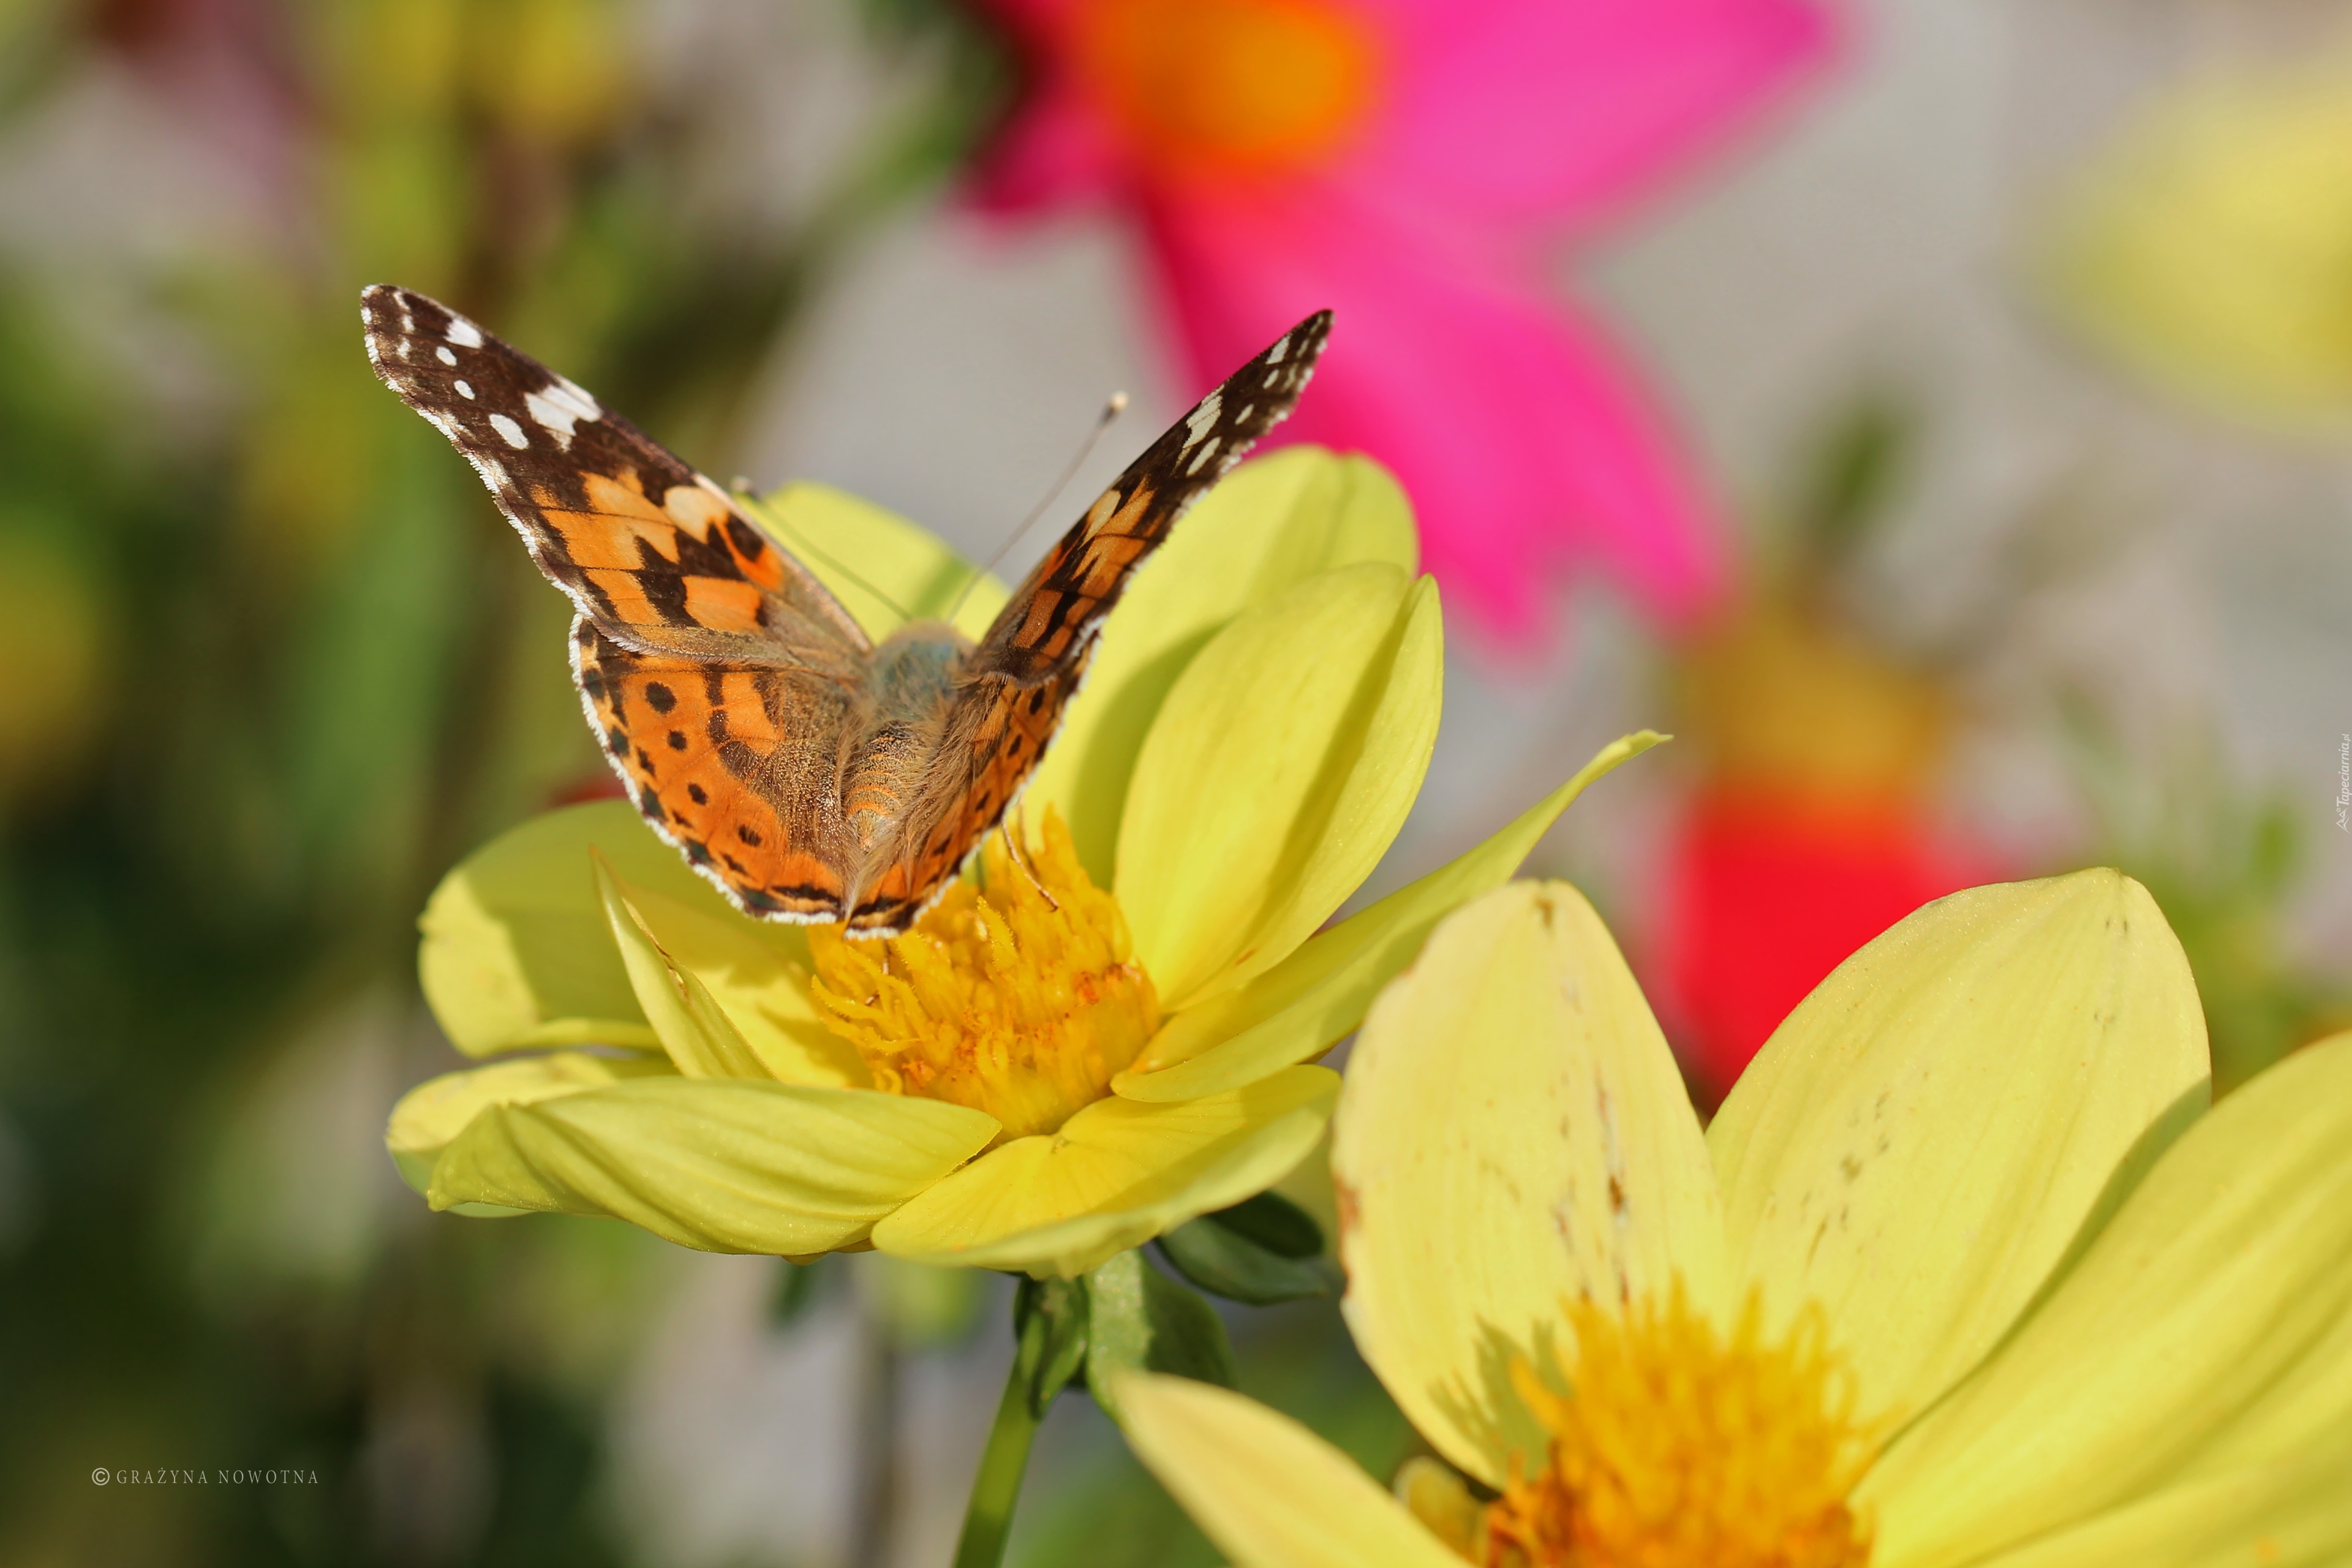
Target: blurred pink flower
[{"x": 1401, "y": 160}]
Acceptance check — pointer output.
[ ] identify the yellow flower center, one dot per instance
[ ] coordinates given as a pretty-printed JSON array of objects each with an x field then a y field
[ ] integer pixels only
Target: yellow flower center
[
  {"x": 1020, "y": 1001},
  {"x": 1681, "y": 1449},
  {"x": 1226, "y": 88}
]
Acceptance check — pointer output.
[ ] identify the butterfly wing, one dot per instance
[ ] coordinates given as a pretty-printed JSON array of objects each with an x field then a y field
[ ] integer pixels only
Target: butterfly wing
[
  {"x": 717, "y": 671},
  {"x": 736, "y": 764},
  {"x": 1049, "y": 625},
  {"x": 1013, "y": 687},
  {"x": 657, "y": 555},
  {"x": 724, "y": 679}
]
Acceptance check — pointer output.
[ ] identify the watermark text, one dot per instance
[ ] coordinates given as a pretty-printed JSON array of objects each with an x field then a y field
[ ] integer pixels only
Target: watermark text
[{"x": 105, "y": 1476}]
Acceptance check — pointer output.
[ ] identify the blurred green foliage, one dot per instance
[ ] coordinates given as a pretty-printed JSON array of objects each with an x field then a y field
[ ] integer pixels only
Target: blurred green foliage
[
  {"x": 2225, "y": 865},
  {"x": 271, "y": 669}
]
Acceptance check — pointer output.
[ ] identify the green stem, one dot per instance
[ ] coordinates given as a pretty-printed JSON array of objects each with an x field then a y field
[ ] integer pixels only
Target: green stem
[{"x": 988, "y": 1517}]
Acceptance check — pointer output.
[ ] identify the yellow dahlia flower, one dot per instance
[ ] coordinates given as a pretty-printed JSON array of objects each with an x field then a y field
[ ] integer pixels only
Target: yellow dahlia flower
[
  {"x": 1965, "y": 1272},
  {"x": 2212, "y": 245},
  {"x": 1100, "y": 1037}
]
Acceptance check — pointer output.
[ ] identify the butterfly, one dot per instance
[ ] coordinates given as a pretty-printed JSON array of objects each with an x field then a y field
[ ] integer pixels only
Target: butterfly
[{"x": 810, "y": 772}]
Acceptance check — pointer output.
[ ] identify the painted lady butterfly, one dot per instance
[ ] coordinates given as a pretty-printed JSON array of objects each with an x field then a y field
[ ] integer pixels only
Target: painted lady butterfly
[{"x": 811, "y": 774}]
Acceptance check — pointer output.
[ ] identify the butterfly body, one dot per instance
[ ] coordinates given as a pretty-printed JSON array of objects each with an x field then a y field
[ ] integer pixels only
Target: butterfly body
[{"x": 809, "y": 772}]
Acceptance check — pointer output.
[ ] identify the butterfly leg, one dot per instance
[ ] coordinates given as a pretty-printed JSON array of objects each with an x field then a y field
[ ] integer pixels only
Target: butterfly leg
[{"x": 1005, "y": 824}]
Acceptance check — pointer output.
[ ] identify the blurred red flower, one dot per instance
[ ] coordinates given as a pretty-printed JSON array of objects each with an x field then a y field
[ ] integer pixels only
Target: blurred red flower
[
  {"x": 1399, "y": 161},
  {"x": 1813, "y": 829},
  {"x": 1769, "y": 896}
]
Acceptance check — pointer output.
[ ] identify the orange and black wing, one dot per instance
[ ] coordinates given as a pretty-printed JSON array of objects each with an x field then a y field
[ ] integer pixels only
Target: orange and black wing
[
  {"x": 1015, "y": 686},
  {"x": 737, "y": 765},
  {"x": 657, "y": 555},
  {"x": 1049, "y": 625},
  {"x": 717, "y": 671}
]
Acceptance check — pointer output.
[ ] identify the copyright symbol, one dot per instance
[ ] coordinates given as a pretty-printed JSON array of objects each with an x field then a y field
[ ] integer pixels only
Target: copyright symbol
[{"x": 97, "y": 1475}]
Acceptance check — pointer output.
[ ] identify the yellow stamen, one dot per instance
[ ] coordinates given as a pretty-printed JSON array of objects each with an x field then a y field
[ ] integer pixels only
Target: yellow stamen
[
  {"x": 1221, "y": 89},
  {"x": 1681, "y": 1449},
  {"x": 1020, "y": 1001}
]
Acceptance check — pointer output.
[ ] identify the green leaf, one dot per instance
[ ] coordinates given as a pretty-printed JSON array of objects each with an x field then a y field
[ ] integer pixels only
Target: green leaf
[
  {"x": 1260, "y": 1251},
  {"x": 1227, "y": 1263},
  {"x": 1274, "y": 1222},
  {"x": 1058, "y": 1350},
  {"x": 1141, "y": 1320}
]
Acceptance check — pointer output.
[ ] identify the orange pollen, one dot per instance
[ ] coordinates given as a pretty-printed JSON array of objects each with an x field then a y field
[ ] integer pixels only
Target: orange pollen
[
  {"x": 1022, "y": 1000},
  {"x": 1228, "y": 88},
  {"x": 1682, "y": 1448}
]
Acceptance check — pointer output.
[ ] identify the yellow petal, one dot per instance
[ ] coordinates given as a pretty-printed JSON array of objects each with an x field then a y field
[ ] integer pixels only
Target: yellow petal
[
  {"x": 2293, "y": 1513},
  {"x": 1917, "y": 1144},
  {"x": 1269, "y": 1492},
  {"x": 1309, "y": 1001},
  {"x": 1279, "y": 769},
  {"x": 1116, "y": 1175},
  {"x": 517, "y": 951},
  {"x": 430, "y": 1116},
  {"x": 2207, "y": 1329},
  {"x": 699, "y": 1038},
  {"x": 1513, "y": 1132},
  {"x": 722, "y": 1164},
  {"x": 763, "y": 992},
  {"x": 1268, "y": 526},
  {"x": 885, "y": 569}
]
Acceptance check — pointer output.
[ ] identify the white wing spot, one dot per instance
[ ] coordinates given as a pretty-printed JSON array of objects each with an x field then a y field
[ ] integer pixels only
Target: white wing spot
[
  {"x": 509, "y": 431},
  {"x": 1203, "y": 420},
  {"x": 367, "y": 317},
  {"x": 1271, "y": 377},
  {"x": 1247, "y": 409},
  {"x": 463, "y": 389},
  {"x": 1206, "y": 452},
  {"x": 1281, "y": 347},
  {"x": 443, "y": 355},
  {"x": 571, "y": 394},
  {"x": 463, "y": 332},
  {"x": 561, "y": 406}
]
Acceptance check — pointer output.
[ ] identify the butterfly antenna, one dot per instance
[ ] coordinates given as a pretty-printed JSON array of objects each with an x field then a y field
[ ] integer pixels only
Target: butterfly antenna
[
  {"x": 804, "y": 545},
  {"x": 1111, "y": 409}
]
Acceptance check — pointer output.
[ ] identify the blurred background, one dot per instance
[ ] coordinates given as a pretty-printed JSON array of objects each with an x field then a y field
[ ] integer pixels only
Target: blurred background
[{"x": 1940, "y": 415}]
